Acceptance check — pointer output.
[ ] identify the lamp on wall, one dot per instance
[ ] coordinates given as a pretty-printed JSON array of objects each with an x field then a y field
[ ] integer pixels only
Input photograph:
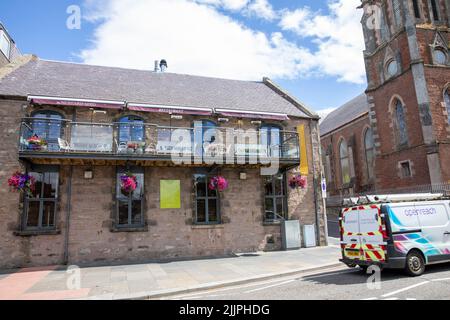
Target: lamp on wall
[{"x": 89, "y": 174}]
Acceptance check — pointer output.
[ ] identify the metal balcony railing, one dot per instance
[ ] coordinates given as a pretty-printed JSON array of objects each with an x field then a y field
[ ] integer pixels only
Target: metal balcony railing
[{"x": 53, "y": 136}]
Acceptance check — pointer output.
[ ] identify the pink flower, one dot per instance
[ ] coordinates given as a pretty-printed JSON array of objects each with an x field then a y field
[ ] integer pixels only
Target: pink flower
[{"x": 218, "y": 183}]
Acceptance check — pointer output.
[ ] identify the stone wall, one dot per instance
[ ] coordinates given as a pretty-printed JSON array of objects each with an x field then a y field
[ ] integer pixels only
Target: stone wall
[{"x": 171, "y": 233}]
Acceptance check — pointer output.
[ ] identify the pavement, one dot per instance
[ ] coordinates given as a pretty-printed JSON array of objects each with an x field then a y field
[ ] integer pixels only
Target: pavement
[
  {"x": 158, "y": 280},
  {"x": 337, "y": 283}
]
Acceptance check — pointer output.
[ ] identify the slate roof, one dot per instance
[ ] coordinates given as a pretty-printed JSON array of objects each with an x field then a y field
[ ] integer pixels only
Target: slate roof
[
  {"x": 81, "y": 81},
  {"x": 348, "y": 112}
]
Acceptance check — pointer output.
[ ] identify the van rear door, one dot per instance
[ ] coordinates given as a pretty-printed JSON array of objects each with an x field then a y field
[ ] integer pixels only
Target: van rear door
[
  {"x": 362, "y": 234},
  {"x": 351, "y": 241}
]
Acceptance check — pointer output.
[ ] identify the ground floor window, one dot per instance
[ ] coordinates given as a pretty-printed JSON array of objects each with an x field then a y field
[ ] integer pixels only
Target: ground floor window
[
  {"x": 130, "y": 205},
  {"x": 275, "y": 197},
  {"x": 206, "y": 201},
  {"x": 41, "y": 204}
]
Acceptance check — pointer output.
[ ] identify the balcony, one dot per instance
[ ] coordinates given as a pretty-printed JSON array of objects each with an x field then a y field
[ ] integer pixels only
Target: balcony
[{"x": 54, "y": 141}]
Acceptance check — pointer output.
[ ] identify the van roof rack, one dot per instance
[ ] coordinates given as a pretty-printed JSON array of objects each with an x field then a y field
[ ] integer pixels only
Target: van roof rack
[{"x": 389, "y": 198}]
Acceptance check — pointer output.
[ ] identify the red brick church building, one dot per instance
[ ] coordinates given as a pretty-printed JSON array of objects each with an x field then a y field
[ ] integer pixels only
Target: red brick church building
[{"x": 396, "y": 135}]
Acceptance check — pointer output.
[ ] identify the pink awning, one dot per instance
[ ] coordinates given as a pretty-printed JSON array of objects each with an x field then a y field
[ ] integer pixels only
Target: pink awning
[
  {"x": 77, "y": 103},
  {"x": 262, "y": 116},
  {"x": 170, "y": 109}
]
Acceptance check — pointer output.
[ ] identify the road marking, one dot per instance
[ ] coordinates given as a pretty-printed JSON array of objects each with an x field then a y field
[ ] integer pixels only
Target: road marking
[
  {"x": 267, "y": 287},
  {"x": 405, "y": 289},
  {"x": 443, "y": 279},
  {"x": 330, "y": 274},
  {"x": 373, "y": 298},
  {"x": 392, "y": 299}
]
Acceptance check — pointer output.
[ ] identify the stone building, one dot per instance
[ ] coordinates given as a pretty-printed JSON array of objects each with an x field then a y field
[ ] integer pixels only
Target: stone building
[
  {"x": 80, "y": 129},
  {"x": 408, "y": 101}
]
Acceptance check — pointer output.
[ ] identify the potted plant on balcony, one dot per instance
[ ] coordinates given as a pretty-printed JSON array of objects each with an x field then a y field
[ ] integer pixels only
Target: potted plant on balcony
[
  {"x": 22, "y": 182},
  {"x": 298, "y": 182},
  {"x": 128, "y": 183},
  {"x": 36, "y": 143},
  {"x": 218, "y": 183}
]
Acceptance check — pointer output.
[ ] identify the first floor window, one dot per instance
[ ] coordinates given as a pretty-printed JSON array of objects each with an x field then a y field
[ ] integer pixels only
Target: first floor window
[
  {"x": 130, "y": 205},
  {"x": 41, "y": 204},
  {"x": 275, "y": 197},
  {"x": 206, "y": 201}
]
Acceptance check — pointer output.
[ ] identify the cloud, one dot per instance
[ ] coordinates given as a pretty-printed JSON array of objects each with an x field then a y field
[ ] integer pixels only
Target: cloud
[
  {"x": 198, "y": 37},
  {"x": 338, "y": 37},
  {"x": 262, "y": 9},
  {"x": 194, "y": 38},
  {"x": 324, "y": 113}
]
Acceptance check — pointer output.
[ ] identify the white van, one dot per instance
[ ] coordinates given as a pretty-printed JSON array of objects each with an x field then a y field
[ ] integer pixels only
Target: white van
[{"x": 395, "y": 232}]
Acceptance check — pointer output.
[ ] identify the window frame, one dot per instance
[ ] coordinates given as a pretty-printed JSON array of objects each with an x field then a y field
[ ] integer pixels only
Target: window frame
[
  {"x": 4, "y": 37},
  {"x": 270, "y": 128},
  {"x": 447, "y": 103},
  {"x": 347, "y": 159},
  {"x": 402, "y": 169},
  {"x": 401, "y": 124},
  {"x": 275, "y": 197},
  {"x": 206, "y": 198},
  {"x": 46, "y": 117},
  {"x": 416, "y": 9},
  {"x": 435, "y": 11},
  {"x": 129, "y": 199},
  {"x": 135, "y": 120},
  {"x": 370, "y": 172},
  {"x": 42, "y": 170}
]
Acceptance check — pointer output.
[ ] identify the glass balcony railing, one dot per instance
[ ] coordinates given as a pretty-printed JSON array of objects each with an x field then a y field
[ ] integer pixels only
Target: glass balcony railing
[{"x": 53, "y": 137}]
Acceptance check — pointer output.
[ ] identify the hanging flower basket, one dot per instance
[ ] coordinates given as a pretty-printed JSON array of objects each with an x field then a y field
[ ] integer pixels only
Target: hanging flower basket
[
  {"x": 128, "y": 183},
  {"x": 218, "y": 183},
  {"x": 22, "y": 182},
  {"x": 298, "y": 182}
]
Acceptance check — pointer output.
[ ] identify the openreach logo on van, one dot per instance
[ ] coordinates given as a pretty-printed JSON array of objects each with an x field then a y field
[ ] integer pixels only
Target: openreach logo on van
[{"x": 421, "y": 212}]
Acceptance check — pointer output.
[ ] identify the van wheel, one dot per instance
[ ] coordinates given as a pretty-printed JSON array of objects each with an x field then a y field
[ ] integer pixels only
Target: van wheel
[{"x": 415, "y": 264}]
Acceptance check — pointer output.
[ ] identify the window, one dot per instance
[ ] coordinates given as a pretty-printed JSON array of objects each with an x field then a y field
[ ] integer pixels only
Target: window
[
  {"x": 435, "y": 10},
  {"x": 447, "y": 102},
  {"x": 405, "y": 169},
  {"x": 392, "y": 68},
  {"x": 205, "y": 133},
  {"x": 440, "y": 57},
  {"x": 40, "y": 206},
  {"x": 370, "y": 153},
  {"x": 5, "y": 44},
  {"x": 48, "y": 125},
  {"x": 416, "y": 9},
  {"x": 131, "y": 129},
  {"x": 275, "y": 197},
  {"x": 130, "y": 207},
  {"x": 402, "y": 132},
  {"x": 345, "y": 162},
  {"x": 271, "y": 139},
  {"x": 397, "y": 12},
  {"x": 206, "y": 201}
]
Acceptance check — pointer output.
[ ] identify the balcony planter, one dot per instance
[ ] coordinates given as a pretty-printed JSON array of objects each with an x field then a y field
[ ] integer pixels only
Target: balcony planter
[{"x": 36, "y": 144}]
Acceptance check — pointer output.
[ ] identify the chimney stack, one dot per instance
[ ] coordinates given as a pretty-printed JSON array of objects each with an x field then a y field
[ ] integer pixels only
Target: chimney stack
[
  {"x": 156, "y": 66},
  {"x": 163, "y": 65}
]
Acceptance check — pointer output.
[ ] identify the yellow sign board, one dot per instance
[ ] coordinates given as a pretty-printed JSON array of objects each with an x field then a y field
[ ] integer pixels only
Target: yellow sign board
[
  {"x": 304, "y": 169},
  {"x": 170, "y": 194}
]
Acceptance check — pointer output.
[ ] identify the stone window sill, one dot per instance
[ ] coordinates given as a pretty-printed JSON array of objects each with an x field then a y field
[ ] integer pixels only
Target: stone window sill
[
  {"x": 34, "y": 233},
  {"x": 207, "y": 226},
  {"x": 131, "y": 229},
  {"x": 271, "y": 223}
]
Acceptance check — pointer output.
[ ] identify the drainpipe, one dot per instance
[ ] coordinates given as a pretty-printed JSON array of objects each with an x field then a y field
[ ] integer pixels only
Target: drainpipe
[{"x": 68, "y": 212}]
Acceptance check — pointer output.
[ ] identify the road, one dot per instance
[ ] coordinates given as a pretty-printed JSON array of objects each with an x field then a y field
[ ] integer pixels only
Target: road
[{"x": 338, "y": 284}]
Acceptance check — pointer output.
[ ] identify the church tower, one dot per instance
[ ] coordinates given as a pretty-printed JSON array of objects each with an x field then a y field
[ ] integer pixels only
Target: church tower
[{"x": 408, "y": 74}]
